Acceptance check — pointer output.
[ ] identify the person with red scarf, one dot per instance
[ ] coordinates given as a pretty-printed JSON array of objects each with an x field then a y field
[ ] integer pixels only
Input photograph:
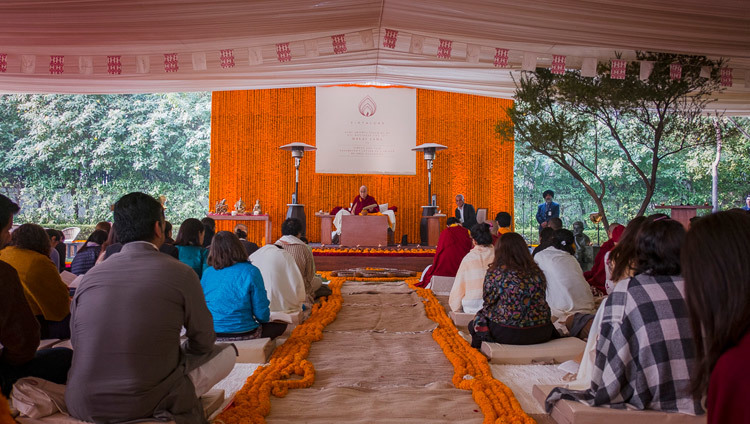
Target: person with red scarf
[
  {"x": 454, "y": 243},
  {"x": 596, "y": 276}
]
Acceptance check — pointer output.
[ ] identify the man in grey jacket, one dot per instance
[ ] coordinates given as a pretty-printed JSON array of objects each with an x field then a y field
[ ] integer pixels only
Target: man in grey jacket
[{"x": 127, "y": 314}]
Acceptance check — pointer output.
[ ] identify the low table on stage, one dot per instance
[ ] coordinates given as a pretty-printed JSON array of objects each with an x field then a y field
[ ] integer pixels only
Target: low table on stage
[
  {"x": 265, "y": 218},
  {"x": 356, "y": 230},
  {"x": 683, "y": 213}
]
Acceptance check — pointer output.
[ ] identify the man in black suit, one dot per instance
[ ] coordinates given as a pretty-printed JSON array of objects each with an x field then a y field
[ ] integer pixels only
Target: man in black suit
[{"x": 465, "y": 212}]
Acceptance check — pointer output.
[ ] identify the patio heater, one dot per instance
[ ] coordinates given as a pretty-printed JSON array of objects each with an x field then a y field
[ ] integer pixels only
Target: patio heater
[
  {"x": 429, "y": 150},
  {"x": 295, "y": 209}
]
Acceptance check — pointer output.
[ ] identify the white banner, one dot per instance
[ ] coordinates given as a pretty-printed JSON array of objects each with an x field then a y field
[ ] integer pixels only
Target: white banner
[{"x": 365, "y": 130}]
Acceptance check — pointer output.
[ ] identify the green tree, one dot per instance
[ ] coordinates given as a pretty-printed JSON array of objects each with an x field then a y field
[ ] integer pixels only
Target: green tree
[{"x": 647, "y": 120}]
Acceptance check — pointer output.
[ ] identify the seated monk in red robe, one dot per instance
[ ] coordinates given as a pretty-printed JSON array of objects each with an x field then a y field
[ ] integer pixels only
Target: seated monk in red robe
[
  {"x": 362, "y": 204},
  {"x": 454, "y": 243}
]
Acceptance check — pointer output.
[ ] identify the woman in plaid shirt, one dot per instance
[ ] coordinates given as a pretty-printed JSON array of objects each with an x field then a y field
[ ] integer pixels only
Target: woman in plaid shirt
[{"x": 645, "y": 351}]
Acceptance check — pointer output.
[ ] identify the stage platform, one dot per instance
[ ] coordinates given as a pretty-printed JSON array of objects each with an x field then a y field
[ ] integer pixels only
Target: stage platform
[{"x": 411, "y": 257}]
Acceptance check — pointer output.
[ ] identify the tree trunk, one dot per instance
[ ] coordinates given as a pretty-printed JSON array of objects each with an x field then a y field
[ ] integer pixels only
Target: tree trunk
[{"x": 715, "y": 168}]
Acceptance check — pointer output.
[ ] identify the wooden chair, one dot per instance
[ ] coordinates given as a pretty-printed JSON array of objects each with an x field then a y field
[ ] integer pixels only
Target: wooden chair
[{"x": 481, "y": 215}]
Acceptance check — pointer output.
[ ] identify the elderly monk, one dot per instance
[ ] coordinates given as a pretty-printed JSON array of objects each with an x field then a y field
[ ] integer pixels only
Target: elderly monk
[{"x": 361, "y": 205}]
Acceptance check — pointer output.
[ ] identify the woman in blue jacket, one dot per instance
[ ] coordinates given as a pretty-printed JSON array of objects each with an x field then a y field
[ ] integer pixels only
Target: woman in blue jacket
[
  {"x": 189, "y": 244},
  {"x": 235, "y": 293}
]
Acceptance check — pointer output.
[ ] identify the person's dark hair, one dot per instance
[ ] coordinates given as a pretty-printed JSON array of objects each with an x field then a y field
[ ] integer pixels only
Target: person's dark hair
[
  {"x": 658, "y": 247},
  {"x": 98, "y": 237},
  {"x": 31, "y": 237},
  {"x": 111, "y": 239},
  {"x": 291, "y": 227},
  {"x": 167, "y": 229},
  {"x": 135, "y": 216},
  {"x": 104, "y": 226},
  {"x": 303, "y": 239},
  {"x": 225, "y": 251},
  {"x": 512, "y": 253},
  {"x": 240, "y": 233},
  {"x": 546, "y": 239},
  {"x": 717, "y": 288},
  {"x": 481, "y": 234},
  {"x": 564, "y": 240},
  {"x": 503, "y": 219},
  {"x": 190, "y": 232},
  {"x": 452, "y": 220},
  {"x": 209, "y": 222},
  {"x": 8, "y": 208},
  {"x": 623, "y": 255},
  {"x": 546, "y": 192},
  {"x": 51, "y": 232},
  {"x": 555, "y": 223}
]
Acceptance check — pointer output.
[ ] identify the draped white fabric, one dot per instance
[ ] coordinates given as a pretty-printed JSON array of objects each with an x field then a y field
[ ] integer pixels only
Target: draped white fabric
[{"x": 86, "y": 32}]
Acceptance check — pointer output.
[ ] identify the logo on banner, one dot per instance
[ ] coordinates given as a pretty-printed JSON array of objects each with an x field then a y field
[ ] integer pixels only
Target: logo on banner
[{"x": 367, "y": 107}]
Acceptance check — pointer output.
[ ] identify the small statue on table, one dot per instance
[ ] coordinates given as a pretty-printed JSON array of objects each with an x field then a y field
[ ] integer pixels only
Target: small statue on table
[
  {"x": 240, "y": 206},
  {"x": 256, "y": 208},
  {"x": 221, "y": 207}
]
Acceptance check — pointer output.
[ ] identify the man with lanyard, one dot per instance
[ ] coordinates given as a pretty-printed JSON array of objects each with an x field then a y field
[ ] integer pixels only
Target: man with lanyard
[{"x": 547, "y": 210}]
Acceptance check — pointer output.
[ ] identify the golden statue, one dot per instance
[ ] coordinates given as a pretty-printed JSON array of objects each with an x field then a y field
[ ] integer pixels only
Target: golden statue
[
  {"x": 239, "y": 206},
  {"x": 256, "y": 208},
  {"x": 221, "y": 206}
]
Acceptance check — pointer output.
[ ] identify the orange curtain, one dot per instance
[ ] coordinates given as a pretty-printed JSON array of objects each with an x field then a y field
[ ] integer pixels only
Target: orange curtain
[{"x": 247, "y": 127}]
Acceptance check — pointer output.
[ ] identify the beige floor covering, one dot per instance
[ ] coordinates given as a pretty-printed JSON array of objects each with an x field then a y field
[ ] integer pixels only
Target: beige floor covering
[{"x": 378, "y": 363}]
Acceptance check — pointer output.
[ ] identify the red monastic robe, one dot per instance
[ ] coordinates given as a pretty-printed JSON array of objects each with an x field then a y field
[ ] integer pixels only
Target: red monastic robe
[
  {"x": 358, "y": 204},
  {"x": 454, "y": 243}
]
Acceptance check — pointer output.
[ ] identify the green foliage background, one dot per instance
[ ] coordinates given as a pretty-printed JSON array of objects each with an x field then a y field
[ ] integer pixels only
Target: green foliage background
[{"x": 67, "y": 158}]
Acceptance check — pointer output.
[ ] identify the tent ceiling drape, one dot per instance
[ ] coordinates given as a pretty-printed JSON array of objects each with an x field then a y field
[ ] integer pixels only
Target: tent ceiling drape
[{"x": 141, "y": 32}]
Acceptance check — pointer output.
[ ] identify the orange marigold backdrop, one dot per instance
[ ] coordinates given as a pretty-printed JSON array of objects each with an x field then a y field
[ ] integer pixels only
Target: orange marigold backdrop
[{"x": 247, "y": 127}]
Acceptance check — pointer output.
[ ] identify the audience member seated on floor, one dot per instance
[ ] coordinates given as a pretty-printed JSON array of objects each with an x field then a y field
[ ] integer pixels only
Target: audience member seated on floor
[
  {"x": 453, "y": 244},
  {"x": 240, "y": 230},
  {"x": 622, "y": 262},
  {"x": 645, "y": 353},
  {"x": 555, "y": 223},
  {"x": 291, "y": 230},
  {"x": 500, "y": 226},
  {"x": 466, "y": 293},
  {"x": 114, "y": 246},
  {"x": 284, "y": 284},
  {"x": 54, "y": 254},
  {"x": 189, "y": 244},
  {"x": 103, "y": 226},
  {"x": 567, "y": 290},
  {"x": 19, "y": 330},
  {"x": 168, "y": 233},
  {"x": 515, "y": 310},
  {"x": 546, "y": 239},
  {"x": 62, "y": 250},
  {"x": 596, "y": 275},
  {"x": 235, "y": 293},
  {"x": 717, "y": 288},
  {"x": 110, "y": 246},
  {"x": 87, "y": 255},
  {"x": 45, "y": 291},
  {"x": 127, "y": 315},
  {"x": 209, "y": 228}
]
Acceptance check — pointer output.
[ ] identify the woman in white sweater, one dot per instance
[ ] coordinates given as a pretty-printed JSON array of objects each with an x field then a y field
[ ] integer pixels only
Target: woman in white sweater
[
  {"x": 567, "y": 289},
  {"x": 466, "y": 293}
]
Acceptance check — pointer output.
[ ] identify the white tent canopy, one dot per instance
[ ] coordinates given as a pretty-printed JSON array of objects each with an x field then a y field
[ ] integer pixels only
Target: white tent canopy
[{"x": 384, "y": 41}]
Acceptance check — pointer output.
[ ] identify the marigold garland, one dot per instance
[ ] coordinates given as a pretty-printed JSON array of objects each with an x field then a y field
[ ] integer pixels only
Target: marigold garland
[
  {"x": 253, "y": 401},
  {"x": 5, "y": 417},
  {"x": 471, "y": 370}
]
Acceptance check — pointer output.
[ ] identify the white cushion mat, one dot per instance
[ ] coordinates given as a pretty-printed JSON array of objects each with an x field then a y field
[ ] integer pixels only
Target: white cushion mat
[{"x": 521, "y": 379}]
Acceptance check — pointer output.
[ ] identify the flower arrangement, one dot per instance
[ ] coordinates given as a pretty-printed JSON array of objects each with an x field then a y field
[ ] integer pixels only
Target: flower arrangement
[
  {"x": 253, "y": 401},
  {"x": 373, "y": 251},
  {"x": 471, "y": 371},
  {"x": 5, "y": 417}
]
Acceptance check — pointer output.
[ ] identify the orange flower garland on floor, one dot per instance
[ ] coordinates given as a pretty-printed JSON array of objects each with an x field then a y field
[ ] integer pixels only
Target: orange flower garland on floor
[
  {"x": 5, "y": 417},
  {"x": 253, "y": 402},
  {"x": 496, "y": 400}
]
